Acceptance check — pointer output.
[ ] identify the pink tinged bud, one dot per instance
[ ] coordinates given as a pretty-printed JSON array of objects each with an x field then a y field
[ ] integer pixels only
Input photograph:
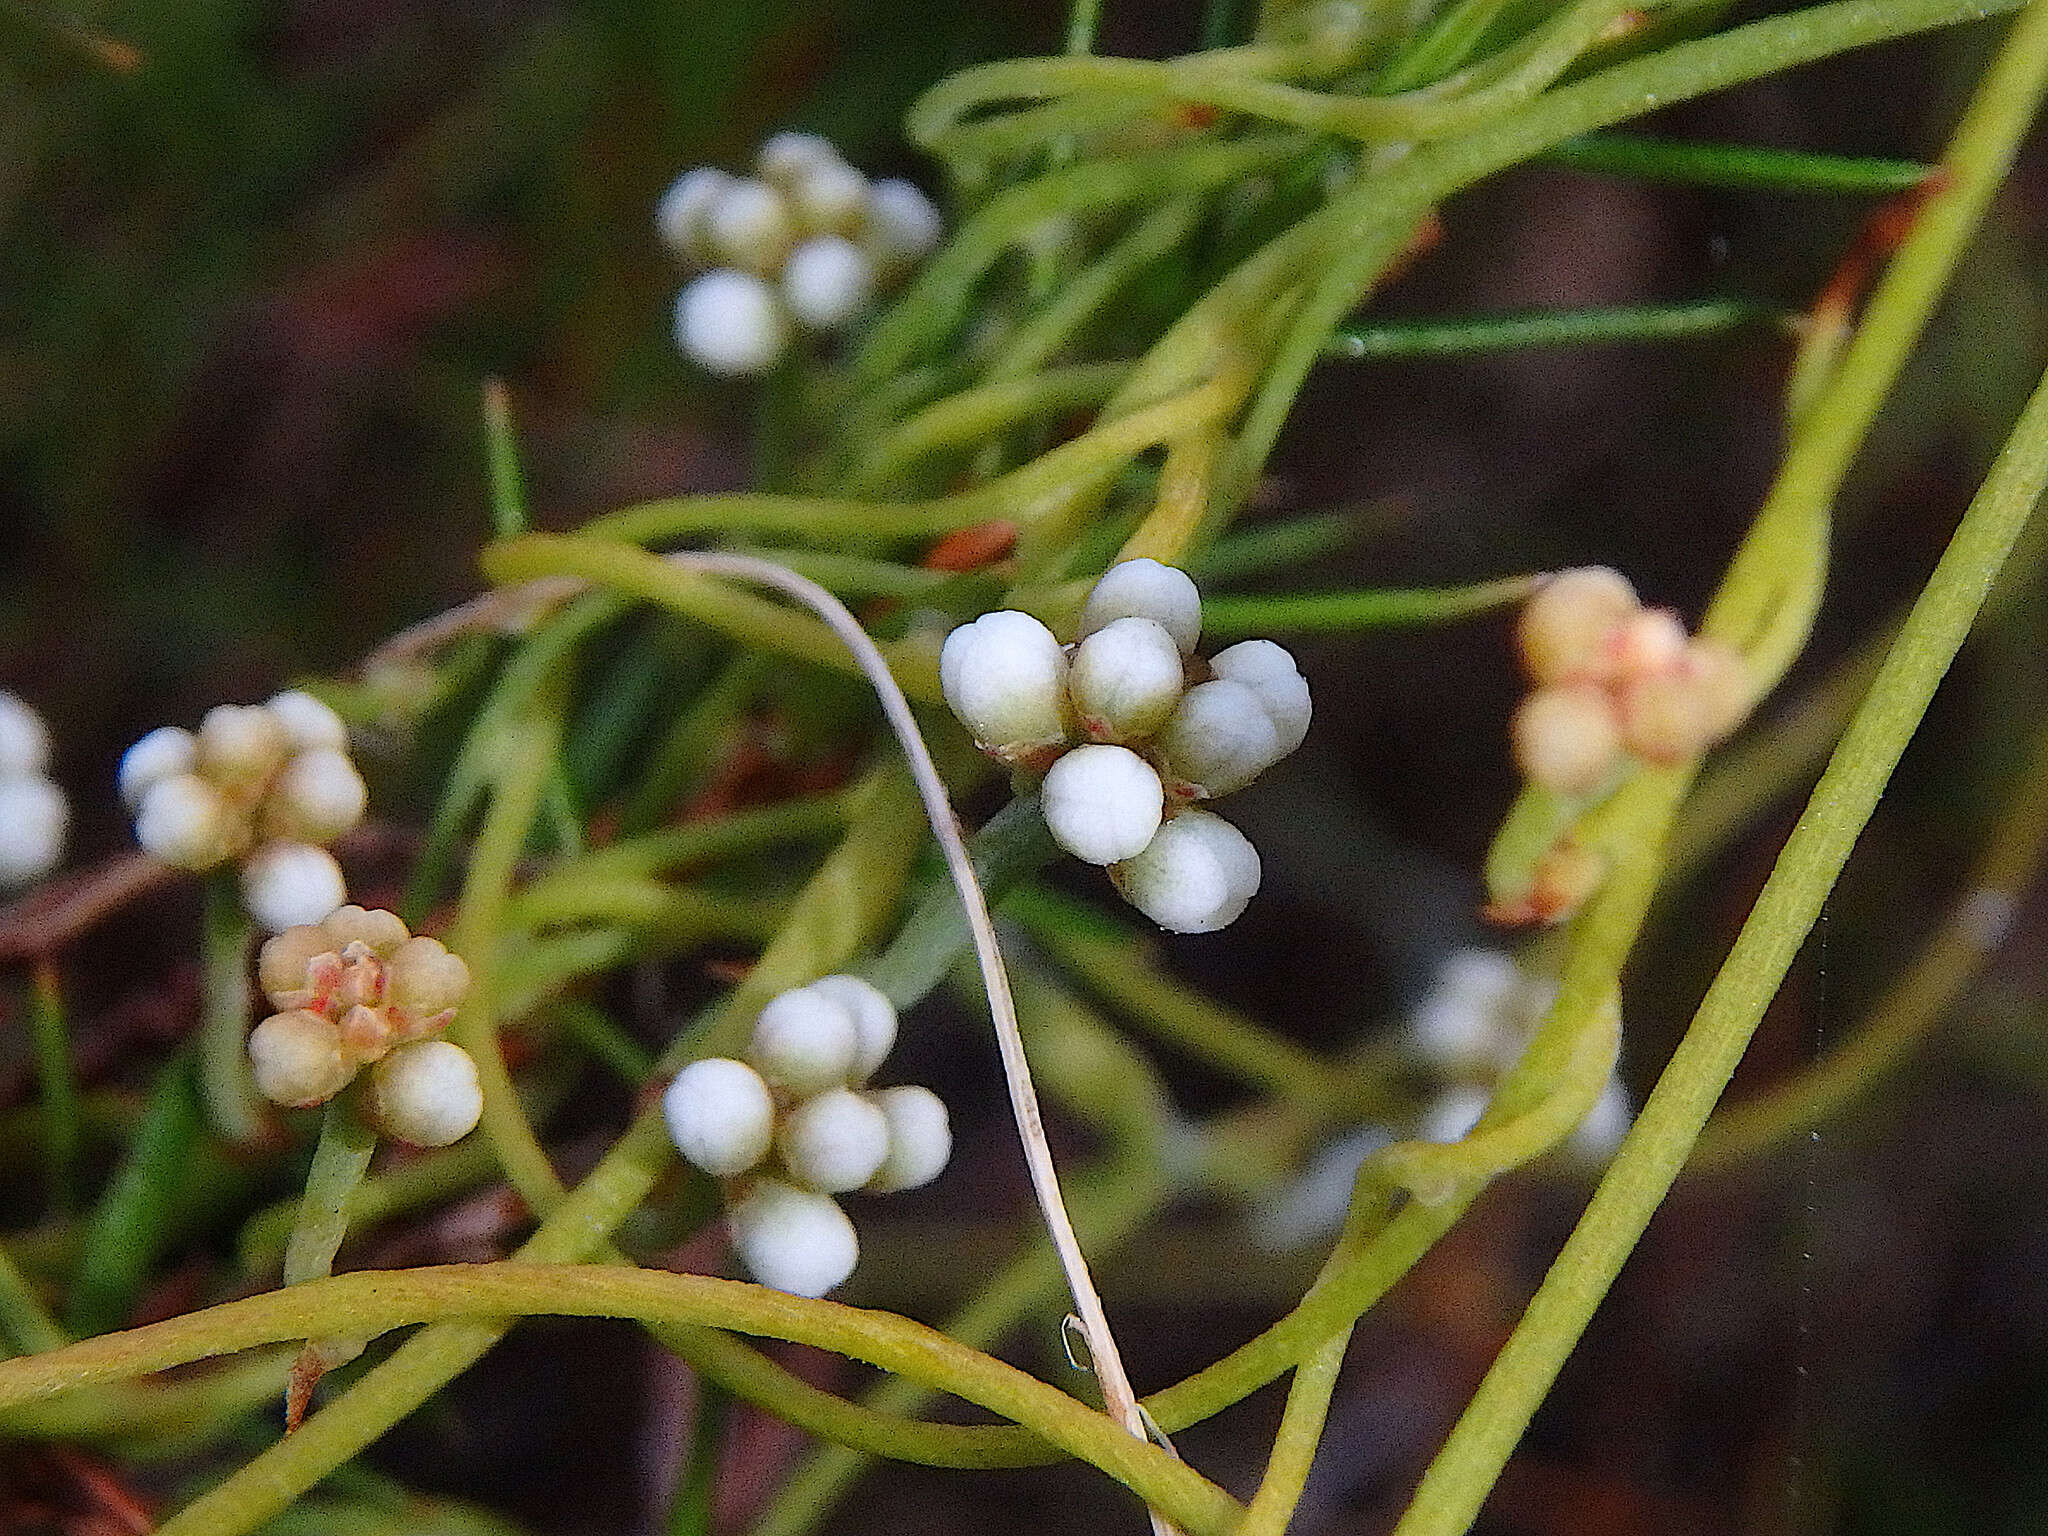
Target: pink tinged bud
[
  {"x": 874, "y": 1019},
  {"x": 380, "y": 930},
  {"x": 1219, "y": 738},
  {"x": 1566, "y": 626},
  {"x": 1005, "y": 676},
  {"x": 1195, "y": 876},
  {"x": 1146, "y": 589},
  {"x": 297, "y": 1059},
  {"x": 1653, "y": 640},
  {"x": 284, "y": 964},
  {"x": 1102, "y": 803},
  {"x": 1124, "y": 680},
  {"x": 1269, "y": 671},
  {"x": 720, "y": 1115},
  {"x": 920, "y": 1139},
  {"x": 167, "y": 752},
  {"x": 792, "y": 1239},
  {"x": 805, "y": 1041},
  {"x": 1565, "y": 738},
  {"x": 427, "y": 1093},
  {"x": 286, "y": 884},
  {"x": 834, "y": 1141}
]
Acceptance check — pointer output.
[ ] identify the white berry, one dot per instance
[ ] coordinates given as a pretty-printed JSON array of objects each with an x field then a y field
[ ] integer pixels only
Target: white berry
[
  {"x": 1195, "y": 876},
  {"x": 730, "y": 323},
  {"x": 805, "y": 1040},
  {"x": 793, "y": 1240},
  {"x": 830, "y": 198},
  {"x": 904, "y": 226},
  {"x": 33, "y": 816},
  {"x": 164, "y": 753},
  {"x": 789, "y": 155},
  {"x": 286, "y": 884},
  {"x": 241, "y": 744},
  {"x": 1102, "y": 803},
  {"x": 1125, "y": 679},
  {"x": 297, "y": 1058},
  {"x": 316, "y": 796},
  {"x": 1269, "y": 671},
  {"x": 1005, "y": 677},
  {"x": 426, "y": 1092},
  {"x": 1146, "y": 589},
  {"x": 749, "y": 226},
  {"x": 307, "y": 722},
  {"x": 827, "y": 281},
  {"x": 719, "y": 1115},
  {"x": 874, "y": 1019},
  {"x": 1219, "y": 738},
  {"x": 920, "y": 1139},
  {"x": 1452, "y": 1114},
  {"x": 24, "y": 740},
  {"x": 183, "y": 821},
  {"x": 833, "y": 1141},
  {"x": 679, "y": 214}
]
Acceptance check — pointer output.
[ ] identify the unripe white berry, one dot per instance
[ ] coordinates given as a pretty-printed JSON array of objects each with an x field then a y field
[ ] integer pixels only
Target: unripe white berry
[
  {"x": 1125, "y": 679},
  {"x": 679, "y": 213},
  {"x": 1102, "y": 803},
  {"x": 1219, "y": 738},
  {"x": 183, "y": 821},
  {"x": 827, "y": 281},
  {"x": 793, "y": 1240},
  {"x": 383, "y": 931},
  {"x": 316, "y": 796},
  {"x": 1565, "y": 627},
  {"x": 1195, "y": 876},
  {"x": 424, "y": 977},
  {"x": 307, "y": 722},
  {"x": 904, "y": 226},
  {"x": 1269, "y": 671},
  {"x": 730, "y": 323},
  {"x": 749, "y": 226},
  {"x": 831, "y": 198},
  {"x": 1597, "y": 1136},
  {"x": 1146, "y": 589},
  {"x": 1566, "y": 738},
  {"x": 1645, "y": 642},
  {"x": 426, "y": 1092},
  {"x": 33, "y": 816},
  {"x": 1005, "y": 677},
  {"x": 833, "y": 1141},
  {"x": 720, "y": 1115},
  {"x": 786, "y": 156},
  {"x": 805, "y": 1040},
  {"x": 286, "y": 884},
  {"x": 874, "y": 1019},
  {"x": 1451, "y": 1115},
  {"x": 164, "y": 753},
  {"x": 241, "y": 744},
  {"x": 1471, "y": 1017},
  {"x": 920, "y": 1139},
  {"x": 24, "y": 740},
  {"x": 297, "y": 1058}
]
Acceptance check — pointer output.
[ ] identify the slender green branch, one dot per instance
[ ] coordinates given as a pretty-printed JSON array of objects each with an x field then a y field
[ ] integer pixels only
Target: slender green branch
[
  {"x": 1630, "y": 323},
  {"x": 1294, "y": 1447},
  {"x": 226, "y": 1083},
  {"x": 1226, "y": 618},
  {"x": 501, "y": 454},
  {"x": 1744, "y": 167}
]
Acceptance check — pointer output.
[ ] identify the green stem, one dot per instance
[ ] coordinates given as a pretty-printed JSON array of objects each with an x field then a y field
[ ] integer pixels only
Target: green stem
[
  {"x": 1741, "y": 166},
  {"x": 1655, "y": 1149},
  {"x": 56, "y": 1086},
  {"x": 340, "y": 1159},
  {"x": 501, "y": 455},
  {"x": 226, "y": 1083},
  {"x": 27, "y": 1327},
  {"x": 1294, "y": 1447},
  {"x": 1628, "y": 323},
  {"x": 386, "y": 1299},
  {"x": 1229, "y": 618}
]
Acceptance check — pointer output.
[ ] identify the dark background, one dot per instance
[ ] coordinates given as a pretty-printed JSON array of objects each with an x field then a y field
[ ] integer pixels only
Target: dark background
[{"x": 249, "y": 290}]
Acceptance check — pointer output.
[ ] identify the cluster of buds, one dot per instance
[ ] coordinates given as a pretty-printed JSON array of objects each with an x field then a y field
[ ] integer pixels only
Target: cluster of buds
[
  {"x": 805, "y": 243},
  {"x": 265, "y": 784},
  {"x": 1471, "y": 1027},
  {"x": 1613, "y": 677},
  {"x": 794, "y": 1124},
  {"x": 357, "y": 990},
  {"x": 33, "y": 811},
  {"x": 1132, "y": 730}
]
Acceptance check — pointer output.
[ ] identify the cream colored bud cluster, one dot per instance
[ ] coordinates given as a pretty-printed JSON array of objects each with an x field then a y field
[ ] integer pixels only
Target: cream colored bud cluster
[
  {"x": 357, "y": 990},
  {"x": 265, "y": 784},
  {"x": 1131, "y": 729},
  {"x": 33, "y": 811},
  {"x": 804, "y": 243},
  {"x": 1613, "y": 677},
  {"x": 1471, "y": 1027},
  {"x": 795, "y": 1124}
]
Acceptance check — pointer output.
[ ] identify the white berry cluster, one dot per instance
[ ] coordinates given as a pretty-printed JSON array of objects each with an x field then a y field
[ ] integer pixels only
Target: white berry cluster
[
  {"x": 1470, "y": 1028},
  {"x": 1131, "y": 728},
  {"x": 266, "y": 784},
  {"x": 1614, "y": 677},
  {"x": 794, "y": 1124},
  {"x": 355, "y": 990},
  {"x": 805, "y": 242},
  {"x": 33, "y": 811}
]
